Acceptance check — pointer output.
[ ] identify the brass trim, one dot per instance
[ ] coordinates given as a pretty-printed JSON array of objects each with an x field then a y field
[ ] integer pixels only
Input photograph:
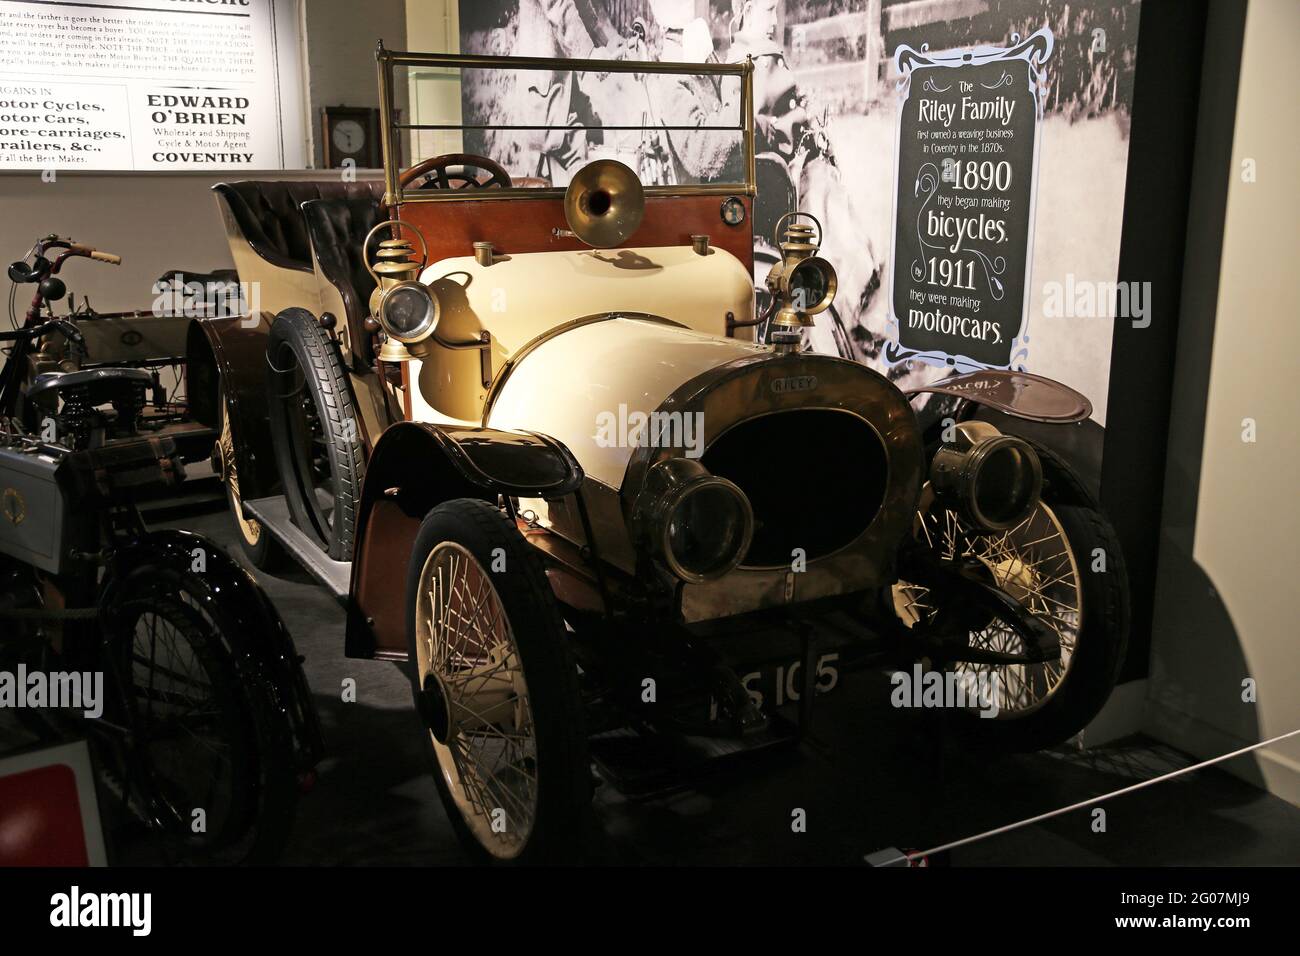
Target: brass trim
[
  {"x": 496, "y": 195},
  {"x": 747, "y": 117},
  {"x": 392, "y": 191},
  {"x": 565, "y": 64}
]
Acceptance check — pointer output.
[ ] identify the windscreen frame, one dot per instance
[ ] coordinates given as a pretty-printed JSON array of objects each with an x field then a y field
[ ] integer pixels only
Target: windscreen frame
[{"x": 388, "y": 60}]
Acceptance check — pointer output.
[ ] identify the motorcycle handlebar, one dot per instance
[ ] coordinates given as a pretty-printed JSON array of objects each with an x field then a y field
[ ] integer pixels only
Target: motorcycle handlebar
[
  {"x": 95, "y": 254},
  {"x": 36, "y": 331}
]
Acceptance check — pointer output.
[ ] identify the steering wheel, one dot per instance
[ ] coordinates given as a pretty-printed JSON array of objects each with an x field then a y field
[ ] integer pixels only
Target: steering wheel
[{"x": 456, "y": 171}]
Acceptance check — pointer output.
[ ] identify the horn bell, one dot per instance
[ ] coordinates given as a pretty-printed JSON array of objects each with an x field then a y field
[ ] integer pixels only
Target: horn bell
[{"x": 604, "y": 203}]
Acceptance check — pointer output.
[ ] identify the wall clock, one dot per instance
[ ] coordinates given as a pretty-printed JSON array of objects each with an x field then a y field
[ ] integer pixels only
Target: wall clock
[{"x": 350, "y": 132}]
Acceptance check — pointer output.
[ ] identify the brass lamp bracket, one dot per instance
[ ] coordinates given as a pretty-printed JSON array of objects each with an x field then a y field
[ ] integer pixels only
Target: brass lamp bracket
[{"x": 484, "y": 345}]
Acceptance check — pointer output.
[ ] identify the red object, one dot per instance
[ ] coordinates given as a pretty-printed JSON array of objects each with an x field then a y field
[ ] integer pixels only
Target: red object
[
  {"x": 451, "y": 226},
  {"x": 41, "y": 821}
]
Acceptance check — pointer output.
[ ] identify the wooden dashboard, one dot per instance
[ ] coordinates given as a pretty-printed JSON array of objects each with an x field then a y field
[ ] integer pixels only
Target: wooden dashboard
[{"x": 451, "y": 227}]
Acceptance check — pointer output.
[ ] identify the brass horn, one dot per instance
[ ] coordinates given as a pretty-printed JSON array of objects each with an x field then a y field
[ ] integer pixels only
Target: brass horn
[{"x": 604, "y": 204}]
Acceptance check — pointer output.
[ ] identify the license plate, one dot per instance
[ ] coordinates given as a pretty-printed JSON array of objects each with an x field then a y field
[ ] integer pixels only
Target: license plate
[{"x": 775, "y": 685}]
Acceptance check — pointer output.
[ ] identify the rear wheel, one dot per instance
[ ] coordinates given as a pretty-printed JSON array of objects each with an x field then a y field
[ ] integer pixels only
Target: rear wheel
[
  {"x": 261, "y": 548},
  {"x": 496, "y": 688},
  {"x": 314, "y": 427}
]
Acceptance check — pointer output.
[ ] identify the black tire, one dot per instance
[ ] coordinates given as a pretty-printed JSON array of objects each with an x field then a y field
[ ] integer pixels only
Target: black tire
[
  {"x": 314, "y": 427},
  {"x": 562, "y": 765},
  {"x": 260, "y": 791},
  {"x": 1102, "y": 637},
  {"x": 261, "y": 548}
]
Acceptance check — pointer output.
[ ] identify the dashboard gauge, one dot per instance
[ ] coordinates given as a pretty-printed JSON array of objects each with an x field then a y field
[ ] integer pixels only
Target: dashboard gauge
[{"x": 733, "y": 211}]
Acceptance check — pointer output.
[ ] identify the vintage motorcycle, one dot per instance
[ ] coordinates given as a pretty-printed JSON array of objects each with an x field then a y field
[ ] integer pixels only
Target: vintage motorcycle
[{"x": 207, "y": 726}]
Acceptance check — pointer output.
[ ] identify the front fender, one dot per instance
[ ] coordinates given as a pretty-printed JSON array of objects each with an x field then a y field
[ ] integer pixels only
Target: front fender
[
  {"x": 415, "y": 467},
  {"x": 260, "y": 645}
]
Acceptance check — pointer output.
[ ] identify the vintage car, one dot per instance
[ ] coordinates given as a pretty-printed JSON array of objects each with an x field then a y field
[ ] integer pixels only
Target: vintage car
[{"x": 538, "y": 443}]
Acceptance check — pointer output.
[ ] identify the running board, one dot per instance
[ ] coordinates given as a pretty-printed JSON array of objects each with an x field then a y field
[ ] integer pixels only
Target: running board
[{"x": 273, "y": 513}]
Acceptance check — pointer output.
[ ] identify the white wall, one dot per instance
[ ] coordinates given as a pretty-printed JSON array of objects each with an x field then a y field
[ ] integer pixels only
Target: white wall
[
  {"x": 1226, "y": 594},
  {"x": 341, "y": 37},
  {"x": 154, "y": 221},
  {"x": 433, "y": 26}
]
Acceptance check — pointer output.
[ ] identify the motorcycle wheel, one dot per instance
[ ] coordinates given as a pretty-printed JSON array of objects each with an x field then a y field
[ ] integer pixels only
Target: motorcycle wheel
[
  {"x": 1064, "y": 564},
  {"x": 204, "y": 771}
]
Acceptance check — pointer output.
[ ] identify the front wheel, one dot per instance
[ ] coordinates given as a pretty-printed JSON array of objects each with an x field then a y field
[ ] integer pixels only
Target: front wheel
[
  {"x": 496, "y": 688},
  {"x": 1063, "y": 563}
]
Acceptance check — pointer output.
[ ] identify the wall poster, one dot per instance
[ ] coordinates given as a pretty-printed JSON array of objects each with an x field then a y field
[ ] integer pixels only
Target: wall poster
[
  {"x": 150, "y": 85},
  {"x": 969, "y": 154}
]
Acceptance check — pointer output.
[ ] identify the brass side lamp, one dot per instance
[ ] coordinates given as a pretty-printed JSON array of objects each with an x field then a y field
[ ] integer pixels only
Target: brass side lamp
[
  {"x": 406, "y": 308},
  {"x": 803, "y": 283}
]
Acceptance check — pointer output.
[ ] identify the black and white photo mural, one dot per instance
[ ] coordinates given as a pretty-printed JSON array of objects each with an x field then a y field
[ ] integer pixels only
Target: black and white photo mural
[{"x": 966, "y": 157}]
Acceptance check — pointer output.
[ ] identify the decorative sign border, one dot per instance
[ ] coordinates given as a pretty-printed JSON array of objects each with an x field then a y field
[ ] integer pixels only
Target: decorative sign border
[{"x": 1035, "y": 50}]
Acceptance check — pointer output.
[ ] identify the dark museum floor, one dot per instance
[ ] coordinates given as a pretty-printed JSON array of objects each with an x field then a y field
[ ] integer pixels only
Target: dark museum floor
[{"x": 873, "y": 781}]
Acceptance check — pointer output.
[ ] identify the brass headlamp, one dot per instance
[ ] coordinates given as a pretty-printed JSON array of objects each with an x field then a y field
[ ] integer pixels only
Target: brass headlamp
[
  {"x": 406, "y": 309},
  {"x": 699, "y": 525},
  {"x": 802, "y": 283}
]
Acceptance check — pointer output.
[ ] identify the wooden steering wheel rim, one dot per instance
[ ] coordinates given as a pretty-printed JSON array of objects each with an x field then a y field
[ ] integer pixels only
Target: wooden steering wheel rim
[{"x": 440, "y": 164}]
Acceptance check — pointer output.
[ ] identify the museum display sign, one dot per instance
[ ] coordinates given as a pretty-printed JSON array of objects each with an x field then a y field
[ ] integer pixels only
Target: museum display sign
[{"x": 964, "y": 203}]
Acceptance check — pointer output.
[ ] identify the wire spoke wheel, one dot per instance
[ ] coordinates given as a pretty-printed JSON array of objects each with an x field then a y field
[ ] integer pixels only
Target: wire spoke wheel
[
  {"x": 475, "y": 700},
  {"x": 250, "y": 529},
  {"x": 1064, "y": 565},
  {"x": 184, "y": 739},
  {"x": 496, "y": 688},
  {"x": 1033, "y": 562}
]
